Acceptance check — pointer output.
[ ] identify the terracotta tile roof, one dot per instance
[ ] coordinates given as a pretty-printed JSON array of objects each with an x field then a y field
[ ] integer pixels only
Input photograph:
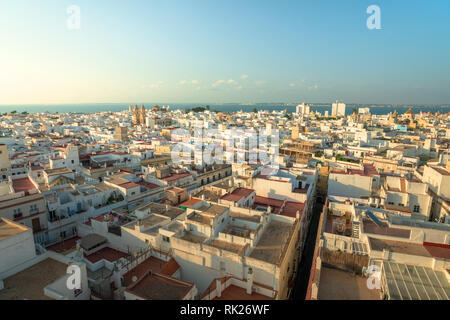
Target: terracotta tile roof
[
  {"x": 107, "y": 253},
  {"x": 150, "y": 264},
  {"x": 263, "y": 201},
  {"x": 23, "y": 184},
  {"x": 176, "y": 176},
  {"x": 170, "y": 267},
  {"x": 128, "y": 185},
  {"x": 290, "y": 209},
  {"x": 190, "y": 202},
  {"x": 64, "y": 245},
  {"x": 160, "y": 287},
  {"x": 438, "y": 250}
]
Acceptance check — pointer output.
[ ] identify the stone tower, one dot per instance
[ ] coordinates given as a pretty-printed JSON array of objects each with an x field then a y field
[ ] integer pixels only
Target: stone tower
[
  {"x": 142, "y": 116},
  {"x": 136, "y": 117}
]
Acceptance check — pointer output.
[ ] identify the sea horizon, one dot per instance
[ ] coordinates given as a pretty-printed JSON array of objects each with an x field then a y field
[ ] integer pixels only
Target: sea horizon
[{"x": 377, "y": 109}]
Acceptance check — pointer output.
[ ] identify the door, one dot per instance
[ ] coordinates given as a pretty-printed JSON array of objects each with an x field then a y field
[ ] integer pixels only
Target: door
[{"x": 36, "y": 224}]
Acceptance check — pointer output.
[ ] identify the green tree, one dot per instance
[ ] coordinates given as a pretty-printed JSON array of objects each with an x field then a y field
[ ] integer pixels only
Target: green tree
[{"x": 255, "y": 110}]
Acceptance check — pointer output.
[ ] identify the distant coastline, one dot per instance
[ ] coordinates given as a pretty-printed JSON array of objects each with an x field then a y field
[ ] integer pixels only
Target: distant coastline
[{"x": 377, "y": 109}]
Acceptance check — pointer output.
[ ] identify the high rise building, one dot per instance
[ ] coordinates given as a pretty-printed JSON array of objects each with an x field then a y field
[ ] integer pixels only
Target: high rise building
[
  {"x": 303, "y": 108},
  {"x": 338, "y": 109}
]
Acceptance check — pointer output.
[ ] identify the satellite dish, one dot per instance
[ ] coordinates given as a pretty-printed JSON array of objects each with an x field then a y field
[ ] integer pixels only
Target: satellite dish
[{"x": 134, "y": 278}]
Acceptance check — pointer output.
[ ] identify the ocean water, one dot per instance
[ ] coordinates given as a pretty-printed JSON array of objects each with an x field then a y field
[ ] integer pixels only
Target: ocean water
[{"x": 97, "y": 107}]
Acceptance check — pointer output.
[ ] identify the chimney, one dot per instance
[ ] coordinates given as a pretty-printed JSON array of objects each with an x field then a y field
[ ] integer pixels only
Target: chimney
[
  {"x": 269, "y": 209},
  {"x": 167, "y": 207},
  {"x": 218, "y": 288},
  {"x": 117, "y": 280},
  {"x": 297, "y": 215},
  {"x": 249, "y": 281}
]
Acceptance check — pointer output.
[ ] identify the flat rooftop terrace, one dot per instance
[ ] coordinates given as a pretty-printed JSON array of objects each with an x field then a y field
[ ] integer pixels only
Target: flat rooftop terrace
[
  {"x": 341, "y": 285},
  {"x": 161, "y": 209},
  {"x": 227, "y": 246},
  {"x": 252, "y": 218},
  {"x": 9, "y": 229},
  {"x": 273, "y": 243},
  {"x": 189, "y": 236},
  {"x": 30, "y": 283},
  {"x": 213, "y": 209},
  {"x": 159, "y": 287},
  {"x": 371, "y": 227},
  {"x": 399, "y": 247}
]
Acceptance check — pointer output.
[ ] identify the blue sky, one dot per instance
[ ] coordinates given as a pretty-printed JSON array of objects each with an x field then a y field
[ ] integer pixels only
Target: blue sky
[{"x": 224, "y": 51}]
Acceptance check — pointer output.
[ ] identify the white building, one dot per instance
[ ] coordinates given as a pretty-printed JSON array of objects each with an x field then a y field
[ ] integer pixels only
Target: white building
[
  {"x": 303, "y": 109},
  {"x": 338, "y": 109}
]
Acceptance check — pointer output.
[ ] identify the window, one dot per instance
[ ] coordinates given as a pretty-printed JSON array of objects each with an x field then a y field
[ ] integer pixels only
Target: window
[
  {"x": 73, "y": 161},
  {"x": 166, "y": 239},
  {"x": 416, "y": 208}
]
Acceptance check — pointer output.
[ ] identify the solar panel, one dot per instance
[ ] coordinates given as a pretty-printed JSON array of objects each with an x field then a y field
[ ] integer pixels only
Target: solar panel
[{"x": 373, "y": 218}]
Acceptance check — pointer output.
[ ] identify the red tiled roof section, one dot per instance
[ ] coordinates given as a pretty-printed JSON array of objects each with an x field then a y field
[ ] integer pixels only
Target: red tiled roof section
[
  {"x": 231, "y": 197},
  {"x": 290, "y": 209},
  {"x": 190, "y": 202},
  {"x": 150, "y": 264},
  {"x": 170, "y": 267},
  {"x": 128, "y": 185},
  {"x": 236, "y": 293},
  {"x": 302, "y": 190},
  {"x": 148, "y": 185},
  {"x": 176, "y": 176},
  {"x": 110, "y": 254},
  {"x": 160, "y": 287},
  {"x": 23, "y": 184},
  {"x": 263, "y": 201},
  {"x": 438, "y": 250},
  {"x": 243, "y": 192},
  {"x": 64, "y": 245}
]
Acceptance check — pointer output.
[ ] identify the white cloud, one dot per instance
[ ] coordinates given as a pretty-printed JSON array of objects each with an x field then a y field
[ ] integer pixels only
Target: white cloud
[
  {"x": 194, "y": 81},
  {"x": 244, "y": 76},
  {"x": 217, "y": 83},
  {"x": 155, "y": 85},
  {"x": 183, "y": 81},
  {"x": 291, "y": 84},
  {"x": 314, "y": 87}
]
